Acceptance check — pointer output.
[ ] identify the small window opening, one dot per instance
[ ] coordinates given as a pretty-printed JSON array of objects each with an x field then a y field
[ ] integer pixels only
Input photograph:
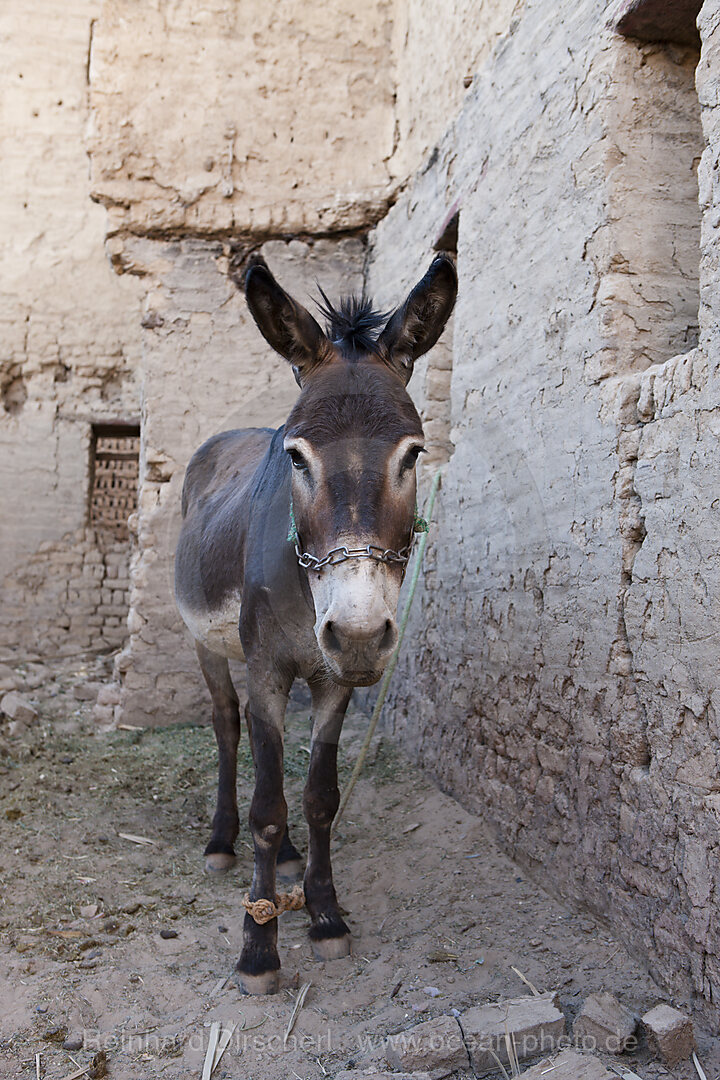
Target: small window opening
[
  {"x": 651, "y": 282},
  {"x": 114, "y": 478},
  {"x": 658, "y": 20}
]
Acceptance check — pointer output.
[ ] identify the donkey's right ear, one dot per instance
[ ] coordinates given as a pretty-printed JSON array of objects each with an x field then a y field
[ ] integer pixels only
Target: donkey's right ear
[
  {"x": 415, "y": 327},
  {"x": 286, "y": 325}
]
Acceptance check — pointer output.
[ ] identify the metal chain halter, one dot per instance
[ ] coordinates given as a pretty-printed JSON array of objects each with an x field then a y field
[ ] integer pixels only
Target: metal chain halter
[{"x": 340, "y": 554}]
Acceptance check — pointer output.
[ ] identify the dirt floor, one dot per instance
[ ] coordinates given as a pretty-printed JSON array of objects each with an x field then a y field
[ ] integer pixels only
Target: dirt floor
[{"x": 439, "y": 916}]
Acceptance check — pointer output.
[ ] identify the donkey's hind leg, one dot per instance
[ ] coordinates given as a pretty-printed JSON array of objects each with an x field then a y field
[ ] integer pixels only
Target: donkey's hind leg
[
  {"x": 220, "y": 851},
  {"x": 289, "y": 861}
]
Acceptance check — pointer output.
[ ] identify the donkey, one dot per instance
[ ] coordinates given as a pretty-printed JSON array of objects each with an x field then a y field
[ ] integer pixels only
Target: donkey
[{"x": 338, "y": 482}]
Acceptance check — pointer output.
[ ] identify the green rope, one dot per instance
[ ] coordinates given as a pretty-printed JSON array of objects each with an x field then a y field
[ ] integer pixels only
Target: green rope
[
  {"x": 420, "y": 525},
  {"x": 389, "y": 670}
]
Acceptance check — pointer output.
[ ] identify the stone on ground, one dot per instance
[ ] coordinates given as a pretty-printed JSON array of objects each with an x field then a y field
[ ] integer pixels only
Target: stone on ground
[
  {"x": 108, "y": 699},
  {"x": 8, "y": 679},
  {"x": 87, "y": 691},
  {"x": 570, "y": 1065},
  {"x": 436, "y": 1046},
  {"x": 670, "y": 1032},
  {"x": 104, "y": 715},
  {"x": 109, "y": 694},
  {"x": 535, "y": 1025},
  {"x": 16, "y": 707},
  {"x": 37, "y": 674},
  {"x": 604, "y": 1024}
]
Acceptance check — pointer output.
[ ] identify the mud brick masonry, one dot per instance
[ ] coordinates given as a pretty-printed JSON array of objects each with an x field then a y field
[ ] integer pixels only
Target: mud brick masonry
[{"x": 563, "y": 675}]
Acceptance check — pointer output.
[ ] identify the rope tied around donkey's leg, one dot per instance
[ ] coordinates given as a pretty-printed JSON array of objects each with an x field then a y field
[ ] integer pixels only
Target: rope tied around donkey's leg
[
  {"x": 264, "y": 910},
  {"x": 389, "y": 670}
]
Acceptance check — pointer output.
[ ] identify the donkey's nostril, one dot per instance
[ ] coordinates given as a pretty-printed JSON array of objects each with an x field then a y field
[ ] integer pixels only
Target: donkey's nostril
[
  {"x": 330, "y": 640},
  {"x": 389, "y": 638}
]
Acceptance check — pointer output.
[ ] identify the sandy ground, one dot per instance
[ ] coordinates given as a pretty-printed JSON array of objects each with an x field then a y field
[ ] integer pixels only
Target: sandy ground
[{"x": 439, "y": 916}]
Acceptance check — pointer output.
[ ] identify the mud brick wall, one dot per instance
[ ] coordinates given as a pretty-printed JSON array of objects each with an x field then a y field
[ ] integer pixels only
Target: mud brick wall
[
  {"x": 70, "y": 595},
  {"x": 115, "y": 473},
  {"x": 436, "y": 57},
  {"x": 562, "y": 672}
]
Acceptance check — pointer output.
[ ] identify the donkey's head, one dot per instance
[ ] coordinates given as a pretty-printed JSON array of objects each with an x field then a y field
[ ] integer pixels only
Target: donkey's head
[{"x": 352, "y": 440}]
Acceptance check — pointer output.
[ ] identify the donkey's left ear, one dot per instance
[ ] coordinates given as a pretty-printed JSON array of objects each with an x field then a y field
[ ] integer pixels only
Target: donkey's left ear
[{"x": 416, "y": 326}]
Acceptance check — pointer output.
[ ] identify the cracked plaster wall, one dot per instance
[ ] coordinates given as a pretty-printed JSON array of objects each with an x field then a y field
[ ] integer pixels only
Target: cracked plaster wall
[
  {"x": 647, "y": 251},
  {"x": 438, "y": 48},
  {"x": 563, "y": 668},
  {"x": 671, "y": 811}
]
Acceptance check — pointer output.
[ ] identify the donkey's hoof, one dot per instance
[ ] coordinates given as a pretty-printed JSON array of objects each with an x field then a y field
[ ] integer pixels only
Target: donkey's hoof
[
  {"x": 219, "y": 862},
  {"x": 290, "y": 871},
  {"x": 331, "y": 948},
  {"x": 267, "y": 983}
]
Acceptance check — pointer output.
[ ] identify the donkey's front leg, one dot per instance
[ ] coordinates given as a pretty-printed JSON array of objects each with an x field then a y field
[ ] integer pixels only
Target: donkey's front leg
[
  {"x": 259, "y": 962},
  {"x": 329, "y": 935}
]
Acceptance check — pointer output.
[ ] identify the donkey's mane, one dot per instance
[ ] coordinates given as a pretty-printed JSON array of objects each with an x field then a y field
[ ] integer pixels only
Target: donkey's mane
[{"x": 353, "y": 323}]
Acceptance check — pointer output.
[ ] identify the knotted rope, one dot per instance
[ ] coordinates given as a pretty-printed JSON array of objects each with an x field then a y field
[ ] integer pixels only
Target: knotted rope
[{"x": 263, "y": 910}]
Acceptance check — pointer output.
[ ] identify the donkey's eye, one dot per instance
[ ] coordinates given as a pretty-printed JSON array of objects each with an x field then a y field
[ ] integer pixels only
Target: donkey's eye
[
  {"x": 298, "y": 461},
  {"x": 411, "y": 458}
]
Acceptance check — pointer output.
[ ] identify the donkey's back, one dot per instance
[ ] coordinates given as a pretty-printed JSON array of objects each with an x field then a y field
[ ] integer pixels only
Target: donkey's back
[{"x": 224, "y": 463}]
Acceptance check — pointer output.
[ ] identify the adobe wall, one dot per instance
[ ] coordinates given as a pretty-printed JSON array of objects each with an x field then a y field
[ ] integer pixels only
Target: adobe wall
[
  {"x": 70, "y": 333},
  {"x": 269, "y": 118},
  {"x": 70, "y": 595},
  {"x": 562, "y": 673}
]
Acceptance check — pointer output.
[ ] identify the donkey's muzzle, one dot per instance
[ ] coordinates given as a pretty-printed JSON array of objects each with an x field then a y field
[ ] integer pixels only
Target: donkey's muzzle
[{"x": 357, "y": 654}]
